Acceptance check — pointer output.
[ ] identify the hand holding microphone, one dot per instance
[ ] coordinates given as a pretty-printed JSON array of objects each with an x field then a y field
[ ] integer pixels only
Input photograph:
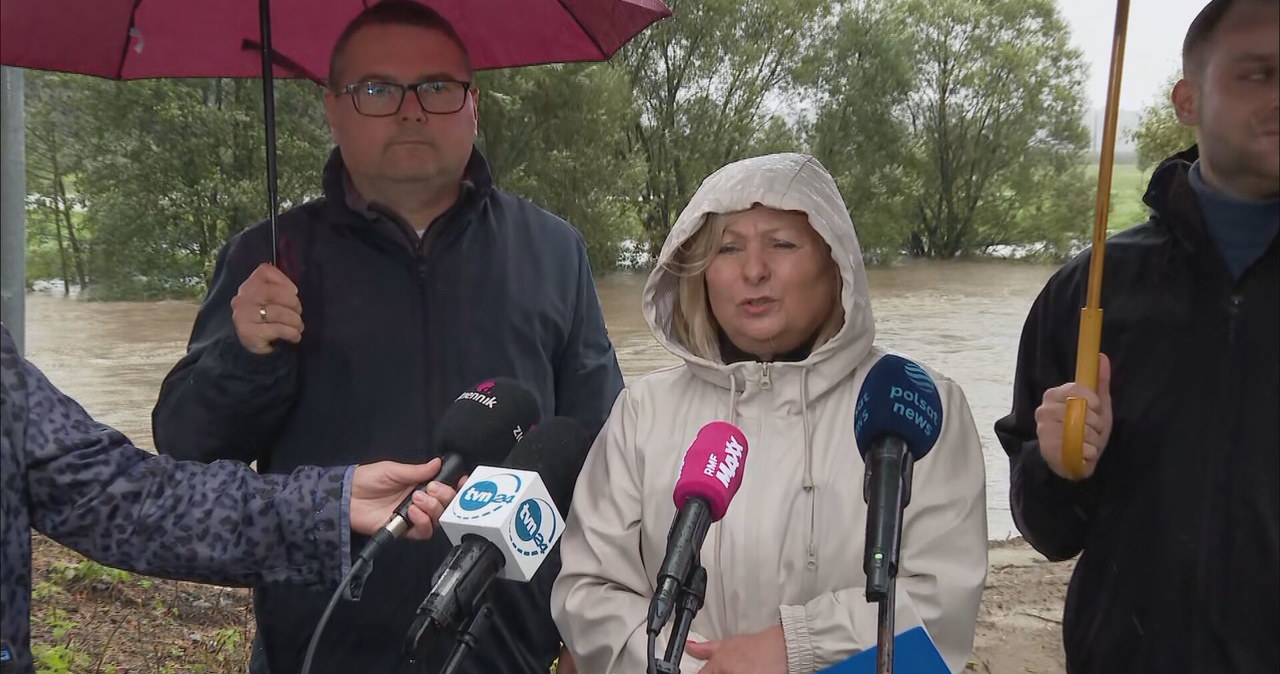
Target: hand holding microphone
[
  {"x": 427, "y": 505},
  {"x": 377, "y": 487},
  {"x": 480, "y": 426}
]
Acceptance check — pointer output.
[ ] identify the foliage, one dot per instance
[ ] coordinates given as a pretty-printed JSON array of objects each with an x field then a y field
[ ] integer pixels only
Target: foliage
[
  {"x": 705, "y": 83},
  {"x": 950, "y": 127},
  {"x": 1159, "y": 133},
  {"x": 557, "y": 135}
]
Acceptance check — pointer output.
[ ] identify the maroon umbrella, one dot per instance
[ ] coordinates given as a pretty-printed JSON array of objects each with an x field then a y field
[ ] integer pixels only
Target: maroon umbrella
[{"x": 137, "y": 39}]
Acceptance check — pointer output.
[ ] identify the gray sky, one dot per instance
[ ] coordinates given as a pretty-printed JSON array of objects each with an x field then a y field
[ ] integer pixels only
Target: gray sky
[{"x": 1153, "y": 45}]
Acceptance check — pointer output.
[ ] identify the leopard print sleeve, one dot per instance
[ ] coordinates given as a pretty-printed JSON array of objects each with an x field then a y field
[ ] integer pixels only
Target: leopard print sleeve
[{"x": 92, "y": 490}]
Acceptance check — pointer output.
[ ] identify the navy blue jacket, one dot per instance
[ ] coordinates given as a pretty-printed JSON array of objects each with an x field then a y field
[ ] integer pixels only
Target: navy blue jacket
[{"x": 395, "y": 328}]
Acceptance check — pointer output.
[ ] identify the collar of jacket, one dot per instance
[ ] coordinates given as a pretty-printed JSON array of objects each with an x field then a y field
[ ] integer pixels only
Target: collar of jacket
[
  {"x": 730, "y": 353},
  {"x": 1173, "y": 201},
  {"x": 477, "y": 177}
]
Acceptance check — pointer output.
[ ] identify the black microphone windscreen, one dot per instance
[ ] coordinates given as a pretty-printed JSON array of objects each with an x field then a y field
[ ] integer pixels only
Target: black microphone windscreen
[
  {"x": 555, "y": 449},
  {"x": 484, "y": 423}
]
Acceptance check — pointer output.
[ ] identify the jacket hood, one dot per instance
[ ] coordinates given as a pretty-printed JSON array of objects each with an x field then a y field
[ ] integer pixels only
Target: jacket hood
[{"x": 791, "y": 182}]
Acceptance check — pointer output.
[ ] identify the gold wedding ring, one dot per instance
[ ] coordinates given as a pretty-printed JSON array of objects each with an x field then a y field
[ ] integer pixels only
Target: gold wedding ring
[{"x": 262, "y": 314}]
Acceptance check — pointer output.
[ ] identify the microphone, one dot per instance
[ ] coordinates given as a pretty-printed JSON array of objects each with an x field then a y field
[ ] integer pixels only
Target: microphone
[
  {"x": 897, "y": 419},
  {"x": 479, "y": 426},
  {"x": 709, "y": 477},
  {"x": 503, "y": 524}
]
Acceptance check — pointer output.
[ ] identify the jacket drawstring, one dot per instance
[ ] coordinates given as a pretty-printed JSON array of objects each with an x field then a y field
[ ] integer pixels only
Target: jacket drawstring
[
  {"x": 809, "y": 485},
  {"x": 808, "y": 436},
  {"x": 733, "y": 419}
]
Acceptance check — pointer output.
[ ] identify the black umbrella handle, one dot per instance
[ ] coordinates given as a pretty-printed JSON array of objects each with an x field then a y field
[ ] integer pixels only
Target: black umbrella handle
[{"x": 269, "y": 117}]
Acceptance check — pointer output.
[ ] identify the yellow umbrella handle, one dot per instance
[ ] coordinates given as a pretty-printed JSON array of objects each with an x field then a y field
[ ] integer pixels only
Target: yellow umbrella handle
[
  {"x": 1073, "y": 437},
  {"x": 1090, "y": 339},
  {"x": 1087, "y": 349}
]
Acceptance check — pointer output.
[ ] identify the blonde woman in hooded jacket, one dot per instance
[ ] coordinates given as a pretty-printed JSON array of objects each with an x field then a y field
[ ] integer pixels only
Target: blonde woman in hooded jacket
[{"x": 761, "y": 290}]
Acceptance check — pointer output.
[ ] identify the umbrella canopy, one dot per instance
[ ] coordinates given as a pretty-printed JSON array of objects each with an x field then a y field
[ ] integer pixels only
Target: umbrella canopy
[
  {"x": 137, "y": 39},
  {"x": 133, "y": 39}
]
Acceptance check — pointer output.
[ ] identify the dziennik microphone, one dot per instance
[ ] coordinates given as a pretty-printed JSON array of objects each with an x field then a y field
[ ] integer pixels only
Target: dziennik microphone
[
  {"x": 480, "y": 426},
  {"x": 897, "y": 419},
  {"x": 503, "y": 523},
  {"x": 709, "y": 477}
]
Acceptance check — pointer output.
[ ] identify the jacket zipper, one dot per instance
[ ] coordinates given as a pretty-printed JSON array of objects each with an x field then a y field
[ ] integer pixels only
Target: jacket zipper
[
  {"x": 1233, "y": 317},
  {"x": 1208, "y": 581},
  {"x": 766, "y": 383},
  {"x": 422, "y": 249}
]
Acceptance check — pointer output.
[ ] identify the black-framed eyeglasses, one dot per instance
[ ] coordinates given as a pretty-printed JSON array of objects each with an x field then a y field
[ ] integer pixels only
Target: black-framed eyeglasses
[{"x": 383, "y": 99}]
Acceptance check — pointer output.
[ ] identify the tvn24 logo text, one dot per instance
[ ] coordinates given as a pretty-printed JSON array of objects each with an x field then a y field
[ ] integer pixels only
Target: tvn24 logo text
[
  {"x": 534, "y": 528},
  {"x": 487, "y": 497}
]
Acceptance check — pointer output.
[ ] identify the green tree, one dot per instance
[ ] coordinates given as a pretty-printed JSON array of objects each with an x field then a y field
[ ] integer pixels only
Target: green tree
[
  {"x": 861, "y": 79},
  {"x": 557, "y": 136},
  {"x": 1159, "y": 134},
  {"x": 996, "y": 125},
  {"x": 171, "y": 169},
  {"x": 705, "y": 82},
  {"x": 55, "y": 235}
]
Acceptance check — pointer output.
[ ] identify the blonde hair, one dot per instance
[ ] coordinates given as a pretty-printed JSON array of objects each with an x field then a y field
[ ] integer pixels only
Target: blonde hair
[{"x": 693, "y": 322}]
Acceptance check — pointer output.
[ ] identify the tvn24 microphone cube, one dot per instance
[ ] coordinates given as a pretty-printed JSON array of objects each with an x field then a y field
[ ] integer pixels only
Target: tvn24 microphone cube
[{"x": 511, "y": 509}]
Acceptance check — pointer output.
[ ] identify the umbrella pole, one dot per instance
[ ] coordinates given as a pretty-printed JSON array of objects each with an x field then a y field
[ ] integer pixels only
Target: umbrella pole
[
  {"x": 269, "y": 116},
  {"x": 1089, "y": 341}
]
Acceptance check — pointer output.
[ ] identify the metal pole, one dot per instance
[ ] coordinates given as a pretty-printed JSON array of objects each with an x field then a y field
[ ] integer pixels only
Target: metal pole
[
  {"x": 269, "y": 118},
  {"x": 13, "y": 198},
  {"x": 884, "y": 633}
]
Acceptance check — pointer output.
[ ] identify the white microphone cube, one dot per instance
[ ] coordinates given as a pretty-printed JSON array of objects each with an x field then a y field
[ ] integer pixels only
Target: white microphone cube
[{"x": 512, "y": 510}]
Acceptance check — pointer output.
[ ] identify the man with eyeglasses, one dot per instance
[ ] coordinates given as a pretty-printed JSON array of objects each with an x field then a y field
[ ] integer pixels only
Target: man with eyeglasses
[{"x": 412, "y": 279}]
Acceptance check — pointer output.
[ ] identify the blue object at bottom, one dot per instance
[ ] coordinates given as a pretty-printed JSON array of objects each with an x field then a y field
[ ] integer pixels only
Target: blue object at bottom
[{"x": 913, "y": 653}]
